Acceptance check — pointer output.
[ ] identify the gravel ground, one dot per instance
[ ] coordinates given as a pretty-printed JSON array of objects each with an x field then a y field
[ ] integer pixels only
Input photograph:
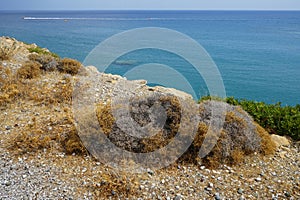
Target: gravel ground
[{"x": 50, "y": 175}]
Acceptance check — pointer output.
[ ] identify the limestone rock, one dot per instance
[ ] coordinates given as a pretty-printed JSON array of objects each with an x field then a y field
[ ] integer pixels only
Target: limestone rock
[
  {"x": 280, "y": 140},
  {"x": 173, "y": 91},
  {"x": 92, "y": 69}
]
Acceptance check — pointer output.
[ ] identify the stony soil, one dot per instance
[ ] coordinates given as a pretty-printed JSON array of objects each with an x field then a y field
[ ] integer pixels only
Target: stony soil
[{"x": 54, "y": 175}]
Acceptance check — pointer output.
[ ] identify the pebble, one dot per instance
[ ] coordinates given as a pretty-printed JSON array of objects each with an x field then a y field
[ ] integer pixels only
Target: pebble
[
  {"x": 258, "y": 179},
  {"x": 273, "y": 173},
  {"x": 178, "y": 197},
  {"x": 150, "y": 172},
  {"x": 217, "y": 196},
  {"x": 7, "y": 183},
  {"x": 287, "y": 194},
  {"x": 240, "y": 191}
]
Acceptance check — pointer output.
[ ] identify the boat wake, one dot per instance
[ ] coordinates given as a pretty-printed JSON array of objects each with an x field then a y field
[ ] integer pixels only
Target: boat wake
[{"x": 100, "y": 19}]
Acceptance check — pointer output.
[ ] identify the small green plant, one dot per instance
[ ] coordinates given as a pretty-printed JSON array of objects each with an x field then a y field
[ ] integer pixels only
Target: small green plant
[
  {"x": 204, "y": 98},
  {"x": 42, "y": 51}
]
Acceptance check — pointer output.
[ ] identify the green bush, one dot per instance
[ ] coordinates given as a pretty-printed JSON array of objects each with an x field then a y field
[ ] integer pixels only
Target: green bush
[
  {"x": 275, "y": 118},
  {"x": 42, "y": 51}
]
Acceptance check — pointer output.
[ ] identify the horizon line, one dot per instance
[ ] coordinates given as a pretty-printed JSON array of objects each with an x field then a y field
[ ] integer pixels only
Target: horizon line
[{"x": 150, "y": 10}]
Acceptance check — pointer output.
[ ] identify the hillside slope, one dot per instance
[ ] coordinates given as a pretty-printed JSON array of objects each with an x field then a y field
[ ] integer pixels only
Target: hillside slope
[{"x": 51, "y": 111}]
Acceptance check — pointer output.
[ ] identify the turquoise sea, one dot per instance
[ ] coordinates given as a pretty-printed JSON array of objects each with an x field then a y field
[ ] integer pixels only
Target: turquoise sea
[{"x": 257, "y": 52}]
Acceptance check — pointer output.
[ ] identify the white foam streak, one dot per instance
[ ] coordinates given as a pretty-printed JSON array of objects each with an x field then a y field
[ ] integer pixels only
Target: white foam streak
[{"x": 101, "y": 19}]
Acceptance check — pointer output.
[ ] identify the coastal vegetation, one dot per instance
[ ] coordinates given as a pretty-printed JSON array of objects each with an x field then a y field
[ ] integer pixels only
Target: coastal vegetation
[
  {"x": 50, "y": 63},
  {"x": 42, "y": 51}
]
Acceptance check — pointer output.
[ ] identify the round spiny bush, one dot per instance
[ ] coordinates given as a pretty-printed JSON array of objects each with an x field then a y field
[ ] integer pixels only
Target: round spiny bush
[
  {"x": 239, "y": 136},
  {"x": 48, "y": 62},
  {"x": 29, "y": 70},
  {"x": 69, "y": 66},
  {"x": 139, "y": 112}
]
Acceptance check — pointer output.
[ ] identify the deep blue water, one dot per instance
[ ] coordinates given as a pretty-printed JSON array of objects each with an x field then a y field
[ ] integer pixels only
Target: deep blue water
[{"x": 257, "y": 52}]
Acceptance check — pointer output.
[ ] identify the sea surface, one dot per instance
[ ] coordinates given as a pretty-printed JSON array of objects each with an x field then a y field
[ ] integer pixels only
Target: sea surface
[{"x": 256, "y": 52}]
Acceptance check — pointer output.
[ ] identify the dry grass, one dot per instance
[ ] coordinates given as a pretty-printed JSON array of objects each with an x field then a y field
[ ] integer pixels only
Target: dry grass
[
  {"x": 22, "y": 87},
  {"x": 171, "y": 126},
  {"x": 52, "y": 63},
  {"x": 32, "y": 138},
  {"x": 139, "y": 113},
  {"x": 52, "y": 94},
  {"x": 267, "y": 145},
  {"x": 41, "y": 131},
  {"x": 29, "y": 70},
  {"x": 48, "y": 62},
  {"x": 9, "y": 87},
  {"x": 6, "y": 53},
  {"x": 105, "y": 117},
  {"x": 240, "y": 137},
  {"x": 69, "y": 66},
  {"x": 115, "y": 185},
  {"x": 70, "y": 141}
]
